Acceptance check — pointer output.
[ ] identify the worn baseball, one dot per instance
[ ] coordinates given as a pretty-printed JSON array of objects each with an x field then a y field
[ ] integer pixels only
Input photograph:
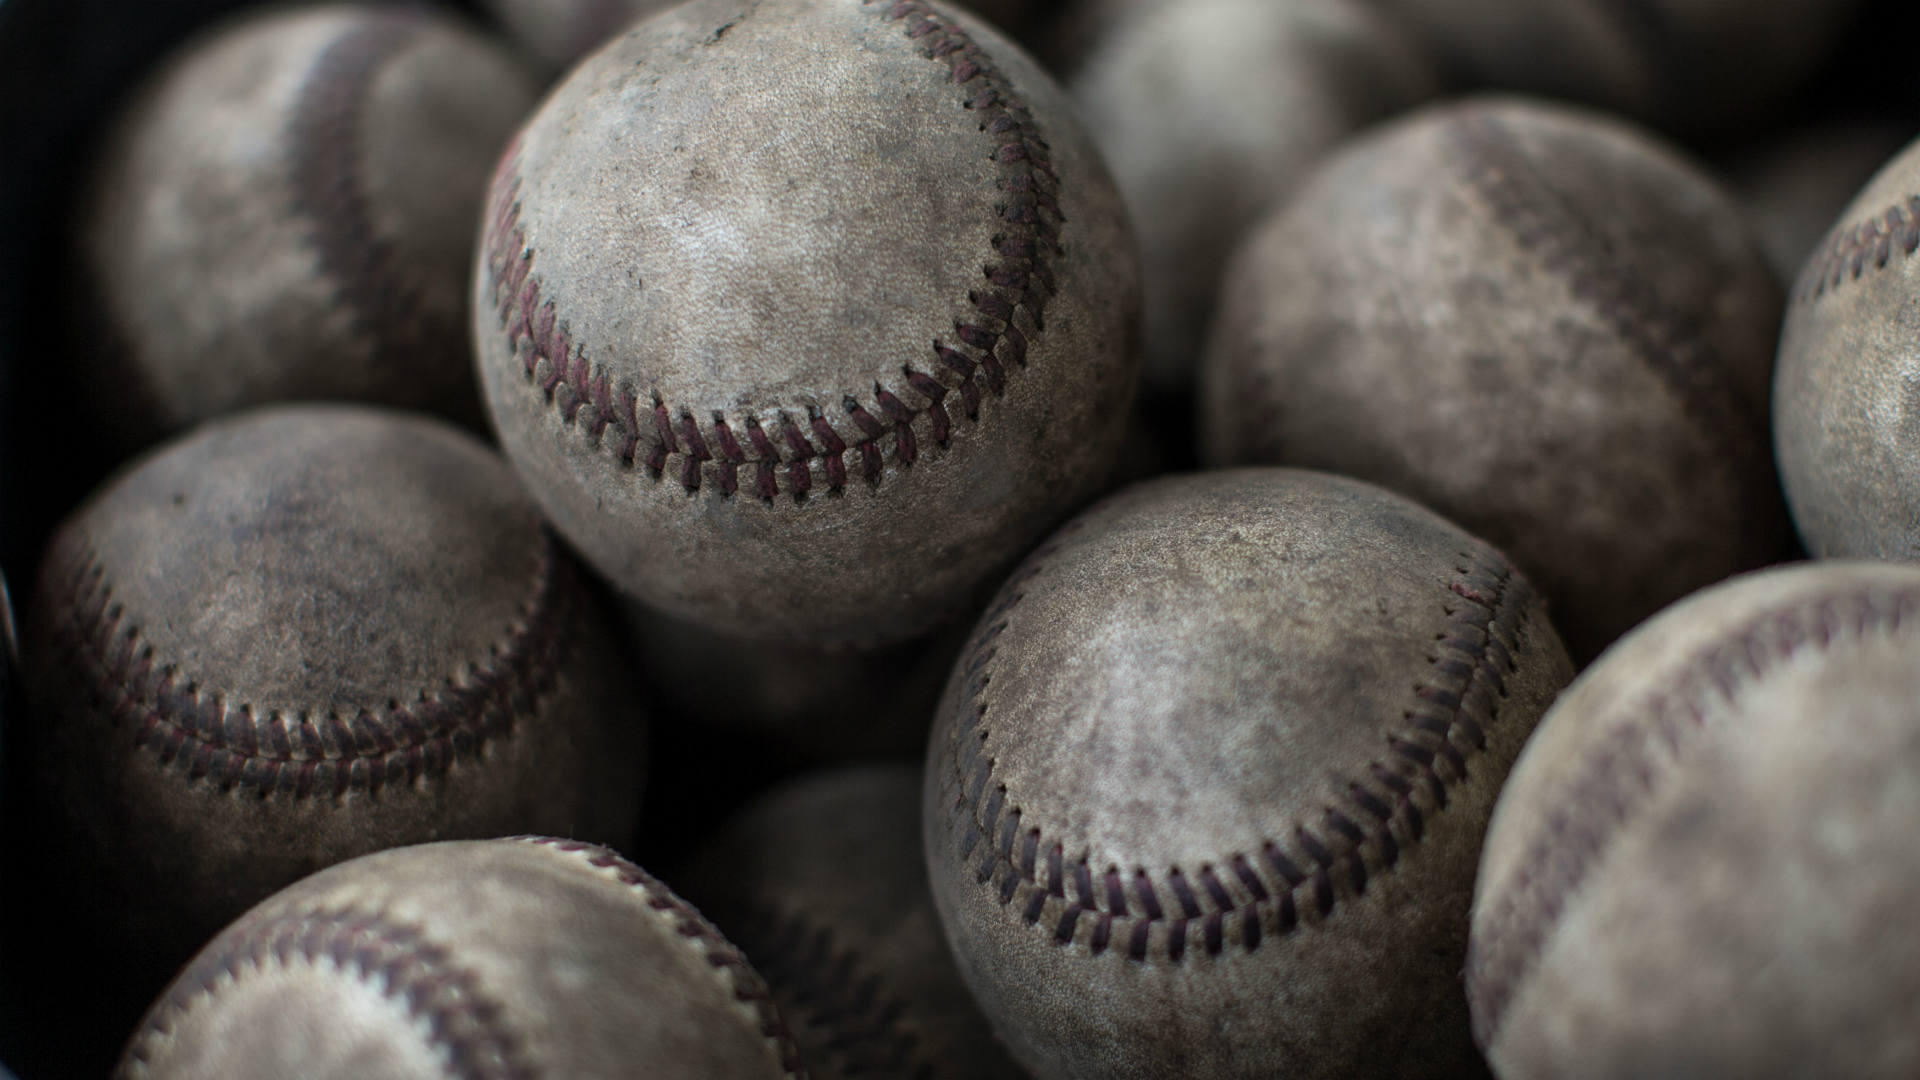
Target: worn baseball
[
  {"x": 803, "y": 318},
  {"x": 1211, "y": 111},
  {"x": 822, "y": 884},
  {"x": 299, "y": 635},
  {"x": 793, "y": 705},
  {"x": 1688, "y": 64},
  {"x": 1843, "y": 406},
  {"x": 285, "y": 212},
  {"x": 1703, "y": 861},
  {"x": 1536, "y": 320},
  {"x": 492, "y": 958},
  {"x": 1206, "y": 792}
]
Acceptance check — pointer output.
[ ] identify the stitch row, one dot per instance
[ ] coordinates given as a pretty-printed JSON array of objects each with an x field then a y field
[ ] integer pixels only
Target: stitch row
[
  {"x": 1845, "y": 255},
  {"x": 748, "y": 987},
  {"x": 1619, "y": 776},
  {"x": 1284, "y": 882},
  {"x": 204, "y": 734},
  {"x": 783, "y": 451}
]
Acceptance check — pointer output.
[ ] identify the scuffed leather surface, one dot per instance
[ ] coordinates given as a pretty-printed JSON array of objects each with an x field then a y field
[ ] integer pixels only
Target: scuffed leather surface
[
  {"x": 1749, "y": 857},
  {"x": 315, "y": 561},
  {"x": 1192, "y": 669},
  {"x": 1689, "y": 64},
  {"x": 1589, "y": 393},
  {"x": 1846, "y": 415},
  {"x": 823, "y": 884},
  {"x": 1210, "y": 112},
  {"x": 197, "y": 248},
  {"x": 574, "y": 971},
  {"x": 761, "y": 210}
]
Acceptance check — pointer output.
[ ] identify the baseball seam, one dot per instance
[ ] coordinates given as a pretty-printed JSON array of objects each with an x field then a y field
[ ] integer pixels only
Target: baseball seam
[
  {"x": 1250, "y": 895},
  {"x": 796, "y": 450},
  {"x": 1498, "y": 169},
  {"x": 744, "y": 983},
  {"x": 323, "y": 149},
  {"x": 398, "y": 959},
  {"x": 1624, "y": 772},
  {"x": 826, "y": 988},
  {"x": 1847, "y": 253},
  {"x": 301, "y": 754}
]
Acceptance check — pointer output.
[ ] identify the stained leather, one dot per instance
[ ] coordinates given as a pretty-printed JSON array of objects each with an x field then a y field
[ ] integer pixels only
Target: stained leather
[
  {"x": 1536, "y": 320},
  {"x": 1197, "y": 672}
]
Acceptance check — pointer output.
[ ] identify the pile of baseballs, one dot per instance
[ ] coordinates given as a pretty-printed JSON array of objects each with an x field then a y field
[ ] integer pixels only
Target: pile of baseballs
[{"x": 1249, "y": 546}]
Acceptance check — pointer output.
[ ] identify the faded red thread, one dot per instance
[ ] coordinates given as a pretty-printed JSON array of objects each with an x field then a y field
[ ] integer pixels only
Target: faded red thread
[
  {"x": 397, "y": 959},
  {"x": 1273, "y": 888},
  {"x": 1618, "y": 777},
  {"x": 748, "y": 987},
  {"x": 1851, "y": 250},
  {"x": 973, "y": 365},
  {"x": 202, "y": 733}
]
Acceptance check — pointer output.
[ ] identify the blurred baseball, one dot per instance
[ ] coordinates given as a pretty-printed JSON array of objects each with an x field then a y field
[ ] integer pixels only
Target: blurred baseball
[
  {"x": 1844, "y": 409},
  {"x": 286, "y": 211},
  {"x": 1702, "y": 863},
  {"x": 1538, "y": 321}
]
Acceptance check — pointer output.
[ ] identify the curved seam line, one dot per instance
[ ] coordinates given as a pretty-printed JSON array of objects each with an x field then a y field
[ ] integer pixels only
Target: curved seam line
[
  {"x": 747, "y": 986},
  {"x": 1623, "y": 774},
  {"x": 784, "y": 451},
  {"x": 323, "y": 145},
  {"x": 398, "y": 958},
  {"x": 1249, "y": 889},
  {"x": 318, "y": 752},
  {"x": 1844, "y": 255},
  {"x": 829, "y": 988}
]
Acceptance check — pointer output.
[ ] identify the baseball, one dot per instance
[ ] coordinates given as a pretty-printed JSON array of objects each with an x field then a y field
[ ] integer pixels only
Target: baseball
[
  {"x": 286, "y": 212},
  {"x": 1538, "y": 321},
  {"x": 494, "y": 958},
  {"x": 1703, "y": 864},
  {"x": 1300, "y": 76},
  {"x": 802, "y": 318},
  {"x": 302, "y": 634},
  {"x": 821, "y": 883},
  {"x": 1842, "y": 399},
  {"x": 1206, "y": 792}
]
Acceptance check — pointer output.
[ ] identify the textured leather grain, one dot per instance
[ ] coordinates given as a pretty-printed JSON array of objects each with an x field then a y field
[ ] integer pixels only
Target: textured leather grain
[
  {"x": 1846, "y": 418},
  {"x": 1701, "y": 864},
  {"x": 300, "y": 635},
  {"x": 821, "y": 882},
  {"x": 1536, "y": 320},
  {"x": 484, "y": 960},
  {"x": 1206, "y": 792},
  {"x": 801, "y": 318},
  {"x": 1209, "y": 112},
  {"x": 285, "y": 211}
]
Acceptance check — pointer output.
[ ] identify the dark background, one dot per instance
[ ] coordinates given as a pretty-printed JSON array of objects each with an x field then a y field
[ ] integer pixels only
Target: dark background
[{"x": 63, "y": 64}]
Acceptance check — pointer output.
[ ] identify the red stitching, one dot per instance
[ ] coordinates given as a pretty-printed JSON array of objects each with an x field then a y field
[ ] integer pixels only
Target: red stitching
[
  {"x": 748, "y": 987},
  {"x": 1845, "y": 254},
  {"x": 200, "y": 731},
  {"x": 1615, "y": 779},
  {"x": 1238, "y": 893},
  {"x": 1019, "y": 280},
  {"x": 399, "y": 959}
]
